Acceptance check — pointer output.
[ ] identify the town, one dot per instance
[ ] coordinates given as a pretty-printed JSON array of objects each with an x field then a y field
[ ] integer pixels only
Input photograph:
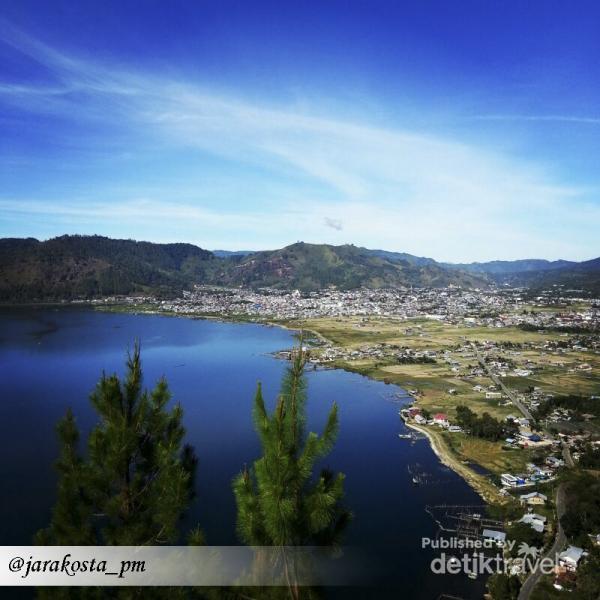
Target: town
[{"x": 485, "y": 307}]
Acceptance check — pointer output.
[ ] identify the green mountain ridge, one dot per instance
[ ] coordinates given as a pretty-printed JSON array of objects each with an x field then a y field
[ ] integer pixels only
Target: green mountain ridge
[
  {"x": 511, "y": 267},
  {"x": 70, "y": 267},
  {"x": 583, "y": 276},
  {"x": 74, "y": 266},
  {"x": 314, "y": 266}
]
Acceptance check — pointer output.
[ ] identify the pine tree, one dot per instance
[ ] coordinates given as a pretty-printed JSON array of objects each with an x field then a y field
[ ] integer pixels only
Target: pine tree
[
  {"x": 279, "y": 503},
  {"x": 136, "y": 481},
  {"x": 71, "y": 516}
]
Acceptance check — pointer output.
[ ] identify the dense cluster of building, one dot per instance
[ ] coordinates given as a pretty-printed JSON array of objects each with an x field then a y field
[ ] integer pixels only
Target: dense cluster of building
[{"x": 490, "y": 308}]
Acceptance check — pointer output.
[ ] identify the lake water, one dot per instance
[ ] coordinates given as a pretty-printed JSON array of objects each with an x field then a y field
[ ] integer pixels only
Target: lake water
[{"x": 51, "y": 359}]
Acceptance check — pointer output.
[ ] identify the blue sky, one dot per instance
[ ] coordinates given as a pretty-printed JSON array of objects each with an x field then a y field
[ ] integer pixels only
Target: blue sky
[{"x": 457, "y": 130}]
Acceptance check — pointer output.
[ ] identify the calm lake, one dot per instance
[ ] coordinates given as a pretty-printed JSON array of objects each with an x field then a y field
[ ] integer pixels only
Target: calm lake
[{"x": 51, "y": 359}]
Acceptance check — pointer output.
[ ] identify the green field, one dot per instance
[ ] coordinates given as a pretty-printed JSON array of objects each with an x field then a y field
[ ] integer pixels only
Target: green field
[{"x": 433, "y": 381}]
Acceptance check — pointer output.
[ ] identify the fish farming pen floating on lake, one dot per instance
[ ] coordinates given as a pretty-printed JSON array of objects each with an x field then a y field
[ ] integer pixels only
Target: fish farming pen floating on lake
[
  {"x": 466, "y": 521},
  {"x": 413, "y": 436},
  {"x": 418, "y": 475}
]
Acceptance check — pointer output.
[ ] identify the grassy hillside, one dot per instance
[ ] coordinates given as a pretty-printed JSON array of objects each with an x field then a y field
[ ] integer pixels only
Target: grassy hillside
[
  {"x": 313, "y": 266},
  {"x": 403, "y": 256}
]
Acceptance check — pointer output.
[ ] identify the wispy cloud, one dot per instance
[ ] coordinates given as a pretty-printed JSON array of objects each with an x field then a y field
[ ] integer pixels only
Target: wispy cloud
[
  {"x": 541, "y": 118},
  {"x": 396, "y": 188}
]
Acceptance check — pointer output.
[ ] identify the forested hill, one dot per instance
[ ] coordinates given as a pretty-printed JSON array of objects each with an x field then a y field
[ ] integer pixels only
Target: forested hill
[
  {"x": 70, "y": 267},
  {"x": 313, "y": 266}
]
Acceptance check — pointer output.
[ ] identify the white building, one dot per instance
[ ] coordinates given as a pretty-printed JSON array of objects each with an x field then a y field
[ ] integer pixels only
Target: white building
[
  {"x": 497, "y": 536},
  {"x": 536, "y": 522},
  {"x": 510, "y": 480},
  {"x": 534, "y": 498},
  {"x": 570, "y": 558}
]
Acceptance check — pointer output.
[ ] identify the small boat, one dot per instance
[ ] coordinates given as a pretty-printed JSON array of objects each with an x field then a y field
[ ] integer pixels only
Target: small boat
[{"x": 405, "y": 436}]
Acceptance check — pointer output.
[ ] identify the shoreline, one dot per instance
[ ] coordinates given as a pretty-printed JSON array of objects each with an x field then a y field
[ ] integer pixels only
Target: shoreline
[{"x": 477, "y": 482}]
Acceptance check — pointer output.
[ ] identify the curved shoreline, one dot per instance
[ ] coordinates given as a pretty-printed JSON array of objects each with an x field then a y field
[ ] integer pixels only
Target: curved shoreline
[{"x": 479, "y": 483}]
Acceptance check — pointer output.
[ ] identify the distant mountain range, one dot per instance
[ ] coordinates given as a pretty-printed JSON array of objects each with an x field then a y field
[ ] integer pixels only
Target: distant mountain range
[
  {"x": 494, "y": 267},
  {"x": 577, "y": 276},
  {"x": 71, "y": 267},
  {"x": 530, "y": 272},
  {"x": 504, "y": 267}
]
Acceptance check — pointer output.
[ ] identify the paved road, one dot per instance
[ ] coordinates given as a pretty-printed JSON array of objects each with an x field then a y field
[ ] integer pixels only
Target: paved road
[
  {"x": 560, "y": 539},
  {"x": 566, "y": 452},
  {"x": 559, "y": 542},
  {"x": 511, "y": 395}
]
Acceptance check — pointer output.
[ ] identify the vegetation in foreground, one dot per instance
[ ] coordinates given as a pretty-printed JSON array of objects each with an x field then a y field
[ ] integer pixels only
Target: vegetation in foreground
[
  {"x": 279, "y": 502},
  {"x": 137, "y": 480}
]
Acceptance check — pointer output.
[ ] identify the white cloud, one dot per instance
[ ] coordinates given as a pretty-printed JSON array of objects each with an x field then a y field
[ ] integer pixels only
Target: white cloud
[{"x": 395, "y": 189}]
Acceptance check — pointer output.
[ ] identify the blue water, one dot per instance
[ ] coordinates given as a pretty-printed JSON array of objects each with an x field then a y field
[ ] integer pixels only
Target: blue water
[{"x": 51, "y": 359}]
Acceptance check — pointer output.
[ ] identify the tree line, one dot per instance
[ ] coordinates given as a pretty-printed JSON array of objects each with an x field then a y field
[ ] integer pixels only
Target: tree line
[
  {"x": 580, "y": 405},
  {"x": 485, "y": 426}
]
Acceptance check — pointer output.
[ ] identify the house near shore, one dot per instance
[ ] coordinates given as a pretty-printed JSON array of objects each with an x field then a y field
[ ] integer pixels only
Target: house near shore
[
  {"x": 441, "y": 419},
  {"x": 570, "y": 558},
  {"x": 536, "y": 522},
  {"x": 420, "y": 419},
  {"x": 499, "y": 537},
  {"x": 509, "y": 480},
  {"x": 533, "y": 499}
]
